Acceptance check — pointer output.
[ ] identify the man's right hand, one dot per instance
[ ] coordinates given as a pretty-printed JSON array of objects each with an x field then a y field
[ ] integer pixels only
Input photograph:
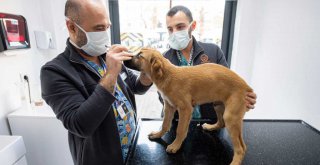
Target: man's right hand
[{"x": 114, "y": 58}]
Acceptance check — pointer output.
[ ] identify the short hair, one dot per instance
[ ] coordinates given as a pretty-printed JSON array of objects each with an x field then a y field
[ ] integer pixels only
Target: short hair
[
  {"x": 183, "y": 9},
  {"x": 72, "y": 10}
]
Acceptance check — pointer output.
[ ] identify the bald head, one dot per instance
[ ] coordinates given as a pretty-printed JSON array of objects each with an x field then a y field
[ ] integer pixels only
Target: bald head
[{"x": 74, "y": 9}]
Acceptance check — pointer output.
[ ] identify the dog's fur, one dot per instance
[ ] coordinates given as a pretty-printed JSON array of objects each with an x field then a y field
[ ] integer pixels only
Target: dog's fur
[{"x": 183, "y": 87}]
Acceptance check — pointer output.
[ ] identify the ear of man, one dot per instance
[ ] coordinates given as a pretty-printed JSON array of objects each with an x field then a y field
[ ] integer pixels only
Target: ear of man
[{"x": 71, "y": 27}]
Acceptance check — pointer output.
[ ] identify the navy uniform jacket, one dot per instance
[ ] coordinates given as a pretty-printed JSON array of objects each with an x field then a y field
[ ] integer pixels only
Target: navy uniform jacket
[
  {"x": 202, "y": 53},
  {"x": 71, "y": 88}
]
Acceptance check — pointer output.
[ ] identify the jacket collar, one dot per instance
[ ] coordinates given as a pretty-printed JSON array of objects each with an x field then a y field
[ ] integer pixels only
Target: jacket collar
[
  {"x": 73, "y": 54},
  {"x": 197, "y": 49}
]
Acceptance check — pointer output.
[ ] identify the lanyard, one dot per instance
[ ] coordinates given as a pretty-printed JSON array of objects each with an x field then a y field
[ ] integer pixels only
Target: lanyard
[
  {"x": 120, "y": 97},
  {"x": 121, "y": 100},
  {"x": 96, "y": 67},
  {"x": 190, "y": 62},
  {"x": 119, "y": 92}
]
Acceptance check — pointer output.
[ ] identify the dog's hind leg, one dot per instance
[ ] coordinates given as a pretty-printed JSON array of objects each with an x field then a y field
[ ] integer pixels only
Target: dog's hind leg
[
  {"x": 185, "y": 114},
  {"x": 166, "y": 124},
  {"x": 233, "y": 121},
  {"x": 220, "y": 123}
]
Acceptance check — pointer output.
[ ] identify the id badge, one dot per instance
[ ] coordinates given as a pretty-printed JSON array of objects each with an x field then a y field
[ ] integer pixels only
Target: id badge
[
  {"x": 122, "y": 110},
  {"x": 123, "y": 75}
]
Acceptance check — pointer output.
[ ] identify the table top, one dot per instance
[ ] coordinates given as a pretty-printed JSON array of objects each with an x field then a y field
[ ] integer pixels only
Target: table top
[{"x": 268, "y": 142}]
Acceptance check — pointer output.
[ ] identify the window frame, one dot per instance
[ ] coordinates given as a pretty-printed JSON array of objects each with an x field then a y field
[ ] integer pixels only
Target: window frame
[
  {"x": 228, "y": 29},
  {"x": 115, "y": 20}
]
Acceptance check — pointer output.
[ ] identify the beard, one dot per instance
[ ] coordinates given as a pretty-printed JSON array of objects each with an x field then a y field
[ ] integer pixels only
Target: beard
[
  {"x": 81, "y": 38},
  {"x": 190, "y": 32}
]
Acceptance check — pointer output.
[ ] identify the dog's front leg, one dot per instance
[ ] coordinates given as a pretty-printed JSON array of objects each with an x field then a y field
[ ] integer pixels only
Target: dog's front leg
[
  {"x": 166, "y": 124},
  {"x": 185, "y": 114}
]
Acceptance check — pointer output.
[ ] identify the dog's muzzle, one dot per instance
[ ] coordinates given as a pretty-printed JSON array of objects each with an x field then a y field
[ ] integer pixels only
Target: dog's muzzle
[{"x": 130, "y": 64}]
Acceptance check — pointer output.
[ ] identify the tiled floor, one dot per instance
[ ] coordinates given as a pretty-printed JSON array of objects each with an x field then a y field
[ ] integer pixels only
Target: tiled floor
[{"x": 148, "y": 105}]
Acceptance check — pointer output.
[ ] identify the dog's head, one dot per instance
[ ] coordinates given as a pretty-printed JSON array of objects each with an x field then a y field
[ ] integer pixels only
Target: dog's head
[{"x": 148, "y": 60}]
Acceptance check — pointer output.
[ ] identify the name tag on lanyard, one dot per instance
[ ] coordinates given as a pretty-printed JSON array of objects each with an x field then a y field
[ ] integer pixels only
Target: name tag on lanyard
[
  {"x": 123, "y": 75},
  {"x": 121, "y": 110},
  {"x": 122, "y": 107}
]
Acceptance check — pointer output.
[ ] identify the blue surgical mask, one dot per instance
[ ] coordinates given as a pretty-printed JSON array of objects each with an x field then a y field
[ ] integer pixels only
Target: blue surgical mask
[
  {"x": 179, "y": 40},
  {"x": 97, "y": 42}
]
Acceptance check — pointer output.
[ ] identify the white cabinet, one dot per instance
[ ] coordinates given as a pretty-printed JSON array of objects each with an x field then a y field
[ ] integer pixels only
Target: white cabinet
[
  {"x": 12, "y": 150},
  {"x": 45, "y": 137}
]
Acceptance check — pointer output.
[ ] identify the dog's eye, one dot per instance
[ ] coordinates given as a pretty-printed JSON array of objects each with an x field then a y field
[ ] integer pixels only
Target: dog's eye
[{"x": 139, "y": 55}]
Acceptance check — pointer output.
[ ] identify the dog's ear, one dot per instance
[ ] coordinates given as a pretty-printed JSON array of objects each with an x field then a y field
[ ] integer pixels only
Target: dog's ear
[{"x": 156, "y": 67}]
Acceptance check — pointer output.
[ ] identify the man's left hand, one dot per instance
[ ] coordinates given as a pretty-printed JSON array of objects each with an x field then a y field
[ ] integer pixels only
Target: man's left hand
[{"x": 251, "y": 99}]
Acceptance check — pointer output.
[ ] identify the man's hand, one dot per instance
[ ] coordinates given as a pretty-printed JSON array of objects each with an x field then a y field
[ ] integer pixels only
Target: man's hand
[
  {"x": 114, "y": 58},
  {"x": 144, "y": 79},
  {"x": 251, "y": 98}
]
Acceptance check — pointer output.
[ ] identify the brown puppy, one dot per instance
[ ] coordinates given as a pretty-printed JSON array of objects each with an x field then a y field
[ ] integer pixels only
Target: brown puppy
[{"x": 182, "y": 87}]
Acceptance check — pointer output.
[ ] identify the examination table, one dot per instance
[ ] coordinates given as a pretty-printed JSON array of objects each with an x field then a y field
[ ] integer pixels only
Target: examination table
[{"x": 269, "y": 142}]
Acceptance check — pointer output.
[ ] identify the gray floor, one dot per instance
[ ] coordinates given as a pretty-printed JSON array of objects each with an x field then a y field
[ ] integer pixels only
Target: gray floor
[{"x": 148, "y": 105}]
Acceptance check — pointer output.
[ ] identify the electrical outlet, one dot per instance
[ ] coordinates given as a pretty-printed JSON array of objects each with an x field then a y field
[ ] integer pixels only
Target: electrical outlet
[
  {"x": 21, "y": 75},
  {"x": 25, "y": 87}
]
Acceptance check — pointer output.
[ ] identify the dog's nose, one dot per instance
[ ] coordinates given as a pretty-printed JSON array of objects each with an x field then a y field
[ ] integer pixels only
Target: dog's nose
[{"x": 130, "y": 64}]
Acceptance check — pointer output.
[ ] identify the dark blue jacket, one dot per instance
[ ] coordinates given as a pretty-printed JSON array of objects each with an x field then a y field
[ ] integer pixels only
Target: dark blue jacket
[
  {"x": 202, "y": 53},
  {"x": 71, "y": 88}
]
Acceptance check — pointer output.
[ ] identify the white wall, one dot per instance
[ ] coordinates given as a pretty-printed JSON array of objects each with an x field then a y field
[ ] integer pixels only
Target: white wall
[
  {"x": 277, "y": 50},
  {"x": 40, "y": 15}
]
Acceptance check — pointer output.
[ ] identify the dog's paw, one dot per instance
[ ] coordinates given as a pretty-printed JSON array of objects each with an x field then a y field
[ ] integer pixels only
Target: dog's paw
[
  {"x": 155, "y": 135},
  {"x": 173, "y": 148},
  {"x": 209, "y": 127}
]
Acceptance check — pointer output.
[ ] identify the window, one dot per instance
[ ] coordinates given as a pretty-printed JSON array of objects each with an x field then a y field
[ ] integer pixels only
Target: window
[{"x": 142, "y": 22}]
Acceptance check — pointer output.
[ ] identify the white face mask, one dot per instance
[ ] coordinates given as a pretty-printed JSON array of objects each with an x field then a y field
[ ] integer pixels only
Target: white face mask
[
  {"x": 179, "y": 40},
  {"x": 97, "y": 42}
]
